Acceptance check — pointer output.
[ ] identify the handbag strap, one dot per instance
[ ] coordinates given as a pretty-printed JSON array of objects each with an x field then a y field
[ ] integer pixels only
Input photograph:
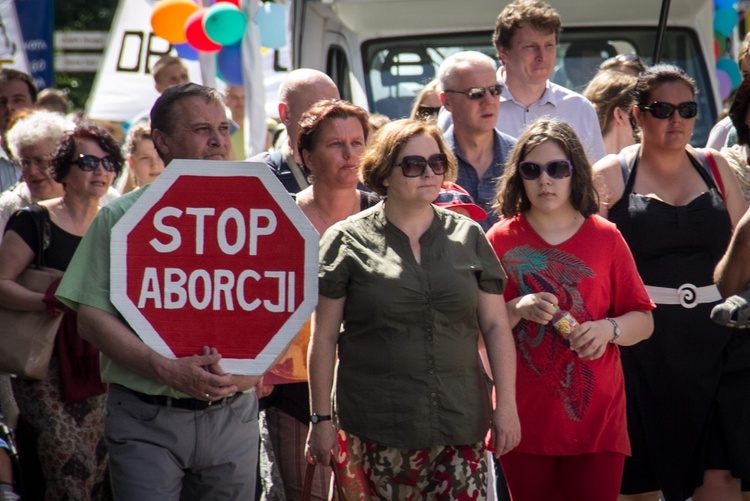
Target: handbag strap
[{"x": 40, "y": 216}]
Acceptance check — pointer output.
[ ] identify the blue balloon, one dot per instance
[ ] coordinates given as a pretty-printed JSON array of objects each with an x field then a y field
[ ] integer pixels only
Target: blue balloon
[
  {"x": 730, "y": 67},
  {"x": 725, "y": 20},
  {"x": 723, "y": 4},
  {"x": 185, "y": 51},
  {"x": 229, "y": 64},
  {"x": 271, "y": 21}
]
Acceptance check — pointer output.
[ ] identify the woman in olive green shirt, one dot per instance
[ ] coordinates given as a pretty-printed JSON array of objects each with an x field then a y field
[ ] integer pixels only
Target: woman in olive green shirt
[{"x": 413, "y": 285}]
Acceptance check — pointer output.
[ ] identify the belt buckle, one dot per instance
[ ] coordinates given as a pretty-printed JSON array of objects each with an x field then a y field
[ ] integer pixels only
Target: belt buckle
[{"x": 687, "y": 295}]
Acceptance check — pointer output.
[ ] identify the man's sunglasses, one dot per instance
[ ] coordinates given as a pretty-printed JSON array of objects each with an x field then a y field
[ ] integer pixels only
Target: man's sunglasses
[
  {"x": 89, "y": 163},
  {"x": 658, "y": 109},
  {"x": 475, "y": 93},
  {"x": 556, "y": 169},
  {"x": 446, "y": 197},
  {"x": 414, "y": 165}
]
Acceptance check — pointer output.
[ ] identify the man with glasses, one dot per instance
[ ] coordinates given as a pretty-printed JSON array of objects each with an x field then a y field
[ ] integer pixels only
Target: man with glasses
[
  {"x": 17, "y": 92},
  {"x": 526, "y": 36},
  {"x": 176, "y": 428},
  {"x": 469, "y": 90}
]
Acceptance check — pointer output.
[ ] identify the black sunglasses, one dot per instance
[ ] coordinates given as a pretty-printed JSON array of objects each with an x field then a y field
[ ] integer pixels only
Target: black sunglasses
[
  {"x": 414, "y": 165},
  {"x": 446, "y": 197},
  {"x": 427, "y": 111},
  {"x": 556, "y": 169},
  {"x": 479, "y": 92},
  {"x": 89, "y": 163},
  {"x": 658, "y": 109}
]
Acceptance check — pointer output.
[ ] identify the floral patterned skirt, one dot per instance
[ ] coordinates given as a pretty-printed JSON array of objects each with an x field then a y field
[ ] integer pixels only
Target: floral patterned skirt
[{"x": 368, "y": 471}]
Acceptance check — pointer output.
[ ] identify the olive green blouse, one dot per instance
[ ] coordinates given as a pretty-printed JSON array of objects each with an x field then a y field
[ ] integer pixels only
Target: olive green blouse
[{"x": 409, "y": 374}]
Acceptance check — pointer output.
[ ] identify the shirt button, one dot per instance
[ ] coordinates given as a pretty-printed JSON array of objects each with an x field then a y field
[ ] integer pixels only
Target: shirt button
[
  {"x": 433, "y": 395},
  {"x": 431, "y": 371},
  {"x": 434, "y": 403}
]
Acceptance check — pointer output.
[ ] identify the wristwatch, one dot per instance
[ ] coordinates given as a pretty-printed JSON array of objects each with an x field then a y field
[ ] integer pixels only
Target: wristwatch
[
  {"x": 317, "y": 418},
  {"x": 617, "y": 330}
]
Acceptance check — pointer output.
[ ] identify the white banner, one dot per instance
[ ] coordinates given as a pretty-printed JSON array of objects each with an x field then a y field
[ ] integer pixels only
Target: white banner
[{"x": 12, "y": 51}]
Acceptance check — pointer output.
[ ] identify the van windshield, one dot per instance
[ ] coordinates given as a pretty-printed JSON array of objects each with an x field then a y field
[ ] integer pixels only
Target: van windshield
[{"x": 396, "y": 69}]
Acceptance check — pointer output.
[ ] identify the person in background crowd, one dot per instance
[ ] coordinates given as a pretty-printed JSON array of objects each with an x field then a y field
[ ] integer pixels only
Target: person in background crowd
[
  {"x": 167, "y": 71},
  {"x": 53, "y": 100},
  {"x": 143, "y": 161},
  {"x": 611, "y": 93},
  {"x": 17, "y": 92},
  {"x": 234, "y": 99},
  {"x": 629, "y": 64},
  {"x": 738, "y": 154},
  {"x": 469, "y": 90},
  {"x": 685, "y": 385},
  {"x": 427, "y": 103},
  {"x": 376, "y": 121},
  {"x": 560, "y": 256},
  {"x": 412, "y": 285},
  {"x": 457, "y": 199},
  {"x": 298, "y": 91},
  {"x": 719, "y": 134},
  {"x": 65, "y": 410},
  {"x": 215, "y": 452}
]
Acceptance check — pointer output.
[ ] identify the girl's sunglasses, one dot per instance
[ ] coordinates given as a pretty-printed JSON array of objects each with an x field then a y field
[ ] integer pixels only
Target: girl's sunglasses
[
  {"x": 556, "y": 169},
  {"x": 89, "y": 163},
  {"x": 658, "y": 109},
  {"x": 415, "y": 165}
]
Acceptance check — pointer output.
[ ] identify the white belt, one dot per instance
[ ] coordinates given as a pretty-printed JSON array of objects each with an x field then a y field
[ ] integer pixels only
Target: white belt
[{"x": 687, "y": 295}]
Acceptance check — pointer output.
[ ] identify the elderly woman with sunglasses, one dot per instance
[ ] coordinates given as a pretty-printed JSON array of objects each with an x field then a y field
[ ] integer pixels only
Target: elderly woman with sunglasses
[
  {"x": 405, "y": 290},
  {"x": 685, "y": 385},
  {"x": 561, "y": 257},
  {"x": 65, "y": 410}
]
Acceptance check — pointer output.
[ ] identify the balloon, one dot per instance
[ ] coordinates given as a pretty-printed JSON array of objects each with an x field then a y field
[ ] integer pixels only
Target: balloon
[
  {"x": 725, "y": 20},
  {"x": 224, "y": 23},
  {"x": 168, "y": 19},
  {"x": 725, "y": 84},
  {"x": 229, "y": 64},
  {"x": 196, "y": 35},
  {"x": 730, "y": 67},
  {"x": 271, "y": 21},
  {"x": 233, "y": 2},
  {"x": 724, "y": 4},
  {"x": 185, "y": 51}
]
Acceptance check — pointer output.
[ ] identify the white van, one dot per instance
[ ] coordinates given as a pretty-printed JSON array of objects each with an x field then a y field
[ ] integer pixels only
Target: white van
[{"x": 381, "y": 52}]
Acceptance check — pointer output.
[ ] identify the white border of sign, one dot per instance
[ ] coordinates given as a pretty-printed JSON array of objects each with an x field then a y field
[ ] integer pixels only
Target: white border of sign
[{"x": 208, "y": 169}]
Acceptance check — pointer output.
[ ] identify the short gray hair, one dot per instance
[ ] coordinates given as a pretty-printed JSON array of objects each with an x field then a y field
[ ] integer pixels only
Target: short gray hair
[
  {"x": 447, "y": 70},
  {"x": 39, "y": 125}
]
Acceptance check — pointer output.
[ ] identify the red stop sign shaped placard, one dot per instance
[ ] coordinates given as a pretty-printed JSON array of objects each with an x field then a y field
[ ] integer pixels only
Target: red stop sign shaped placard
[{"x": 216, "y": 254}]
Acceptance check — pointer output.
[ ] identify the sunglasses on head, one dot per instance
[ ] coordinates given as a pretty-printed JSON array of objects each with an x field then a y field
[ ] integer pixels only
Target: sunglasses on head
[
  {"x": 556, "y": 169},
  {"x": 475, "y": 93},
  {"x": 446, "y": 197},
  {"x": 415, "y": 165},
  {"x": 658, "y": 109},
  {"x": 89, "y": 163},
  {"x": 427, "y": 111}
]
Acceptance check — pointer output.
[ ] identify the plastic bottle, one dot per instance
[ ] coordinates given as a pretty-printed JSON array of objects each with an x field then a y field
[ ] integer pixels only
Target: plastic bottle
[{"x": 564, "y": 322}]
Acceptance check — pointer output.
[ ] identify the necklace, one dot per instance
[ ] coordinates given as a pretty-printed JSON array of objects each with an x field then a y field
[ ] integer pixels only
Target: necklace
[{"x": 326, "y": 221}]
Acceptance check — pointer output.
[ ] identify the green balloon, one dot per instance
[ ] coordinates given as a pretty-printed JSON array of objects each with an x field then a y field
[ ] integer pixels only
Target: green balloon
[{"x": 224, "y": 23}]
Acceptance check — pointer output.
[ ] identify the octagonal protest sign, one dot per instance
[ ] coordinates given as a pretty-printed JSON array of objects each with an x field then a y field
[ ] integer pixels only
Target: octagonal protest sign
[{"x": 216, "y": 254}]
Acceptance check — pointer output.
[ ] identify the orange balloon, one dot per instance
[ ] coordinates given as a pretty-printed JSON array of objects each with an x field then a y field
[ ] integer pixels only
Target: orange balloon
[{"x": 168, "y": 19}]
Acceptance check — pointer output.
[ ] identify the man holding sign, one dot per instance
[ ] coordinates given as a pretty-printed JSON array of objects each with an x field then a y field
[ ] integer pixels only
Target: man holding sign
[{"x": 176, "y": 428}]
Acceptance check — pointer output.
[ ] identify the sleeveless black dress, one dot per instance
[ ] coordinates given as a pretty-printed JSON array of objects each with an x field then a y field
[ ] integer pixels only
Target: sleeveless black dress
[{"x": 688, "y": 386}]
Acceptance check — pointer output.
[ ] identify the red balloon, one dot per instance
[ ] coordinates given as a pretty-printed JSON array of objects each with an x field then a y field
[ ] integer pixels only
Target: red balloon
[
  {"x": 196, "y": 34},
  {"x": 233, "y": 2}
]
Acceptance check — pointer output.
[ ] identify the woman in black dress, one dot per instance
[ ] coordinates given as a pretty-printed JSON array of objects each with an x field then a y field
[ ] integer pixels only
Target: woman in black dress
[{"x": 687, "y": 384}]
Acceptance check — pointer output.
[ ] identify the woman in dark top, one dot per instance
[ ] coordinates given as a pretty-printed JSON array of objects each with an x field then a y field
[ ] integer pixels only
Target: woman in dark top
[
  {"x": 65, "y": 411},
  {"x": 685, "y": 407}
]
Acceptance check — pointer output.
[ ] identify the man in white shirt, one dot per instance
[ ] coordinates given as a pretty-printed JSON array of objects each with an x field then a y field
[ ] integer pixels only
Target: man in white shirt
[{"x": 526, "y": 36}]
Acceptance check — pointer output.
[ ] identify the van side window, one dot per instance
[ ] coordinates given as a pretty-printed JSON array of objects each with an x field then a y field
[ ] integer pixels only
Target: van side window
[{"x": 337, "y": 67}]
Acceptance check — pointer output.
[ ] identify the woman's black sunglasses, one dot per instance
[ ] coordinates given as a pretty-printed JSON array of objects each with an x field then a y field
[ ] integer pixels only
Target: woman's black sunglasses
[
  {"x": 661, "y": 110},
  {"x": 89, "y": 163},
  {"x": 556, "y": 169},
  {"x": 415, "y": 165}
]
